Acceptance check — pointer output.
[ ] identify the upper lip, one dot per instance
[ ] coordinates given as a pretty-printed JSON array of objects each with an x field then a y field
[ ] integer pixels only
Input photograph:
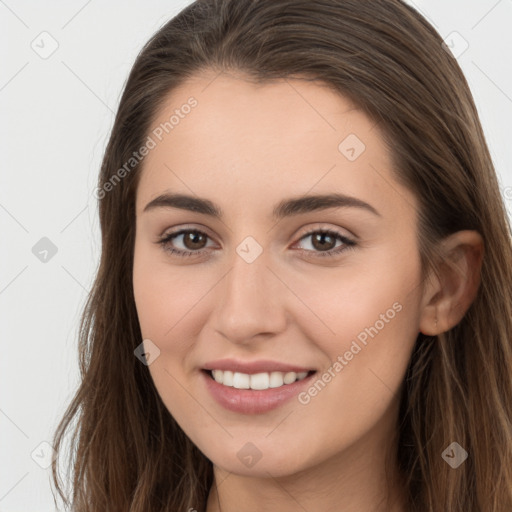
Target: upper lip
[{"x": 251, "y": 367}]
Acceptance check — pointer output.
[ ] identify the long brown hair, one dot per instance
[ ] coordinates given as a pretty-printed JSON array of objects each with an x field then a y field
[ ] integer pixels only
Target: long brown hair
[{"x": 128, "y": 453}]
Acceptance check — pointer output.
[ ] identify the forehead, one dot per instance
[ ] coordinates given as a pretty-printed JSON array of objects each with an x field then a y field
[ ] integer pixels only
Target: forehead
[{"x": 252, "y": 142}]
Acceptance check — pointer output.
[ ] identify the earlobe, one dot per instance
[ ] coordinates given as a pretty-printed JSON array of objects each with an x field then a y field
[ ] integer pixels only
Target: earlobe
[{"x": 448, "y": 296}]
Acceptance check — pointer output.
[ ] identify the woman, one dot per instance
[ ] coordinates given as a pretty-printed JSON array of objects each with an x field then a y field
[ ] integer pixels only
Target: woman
[{"x": 231, "y": 357}]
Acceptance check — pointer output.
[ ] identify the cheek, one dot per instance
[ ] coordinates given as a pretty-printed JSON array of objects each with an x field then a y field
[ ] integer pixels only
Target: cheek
[
  {"x": 375, "y": 296},
  {"x": 359, "y": 389},
  {"x": 168, "y": 301},
  {"x": 164, "y": 301},
  {"x": 374, "y": 318},
  {"x": 161, "y": 302},
  {"x": 164, "y": 296}
]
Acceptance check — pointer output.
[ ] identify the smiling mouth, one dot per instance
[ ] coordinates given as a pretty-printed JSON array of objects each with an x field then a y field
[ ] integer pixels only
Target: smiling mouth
[{"x": 256, "y": 381}]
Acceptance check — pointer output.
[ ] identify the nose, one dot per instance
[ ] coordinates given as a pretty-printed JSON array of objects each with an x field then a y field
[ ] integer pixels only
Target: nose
[{"x": 251, "y": 301}]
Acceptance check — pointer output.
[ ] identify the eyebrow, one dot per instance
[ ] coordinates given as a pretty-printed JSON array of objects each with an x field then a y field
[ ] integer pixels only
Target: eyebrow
[{"x": 285, "y": 208}]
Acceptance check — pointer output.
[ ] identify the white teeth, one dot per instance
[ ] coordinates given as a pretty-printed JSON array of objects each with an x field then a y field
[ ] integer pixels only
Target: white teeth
[
  {"x": 257, "y": 381},
  {"x": 290, "y": 377},
  {"x": 241, "y": 381},
  {"x": 217, "y": 375},
  {"x": 260, "y": 381},
  {"x": 226, "y": 379},
  {"x": 276, "y": 379}
]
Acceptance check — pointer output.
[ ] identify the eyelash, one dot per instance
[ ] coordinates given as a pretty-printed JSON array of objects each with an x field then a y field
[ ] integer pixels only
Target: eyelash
[{"x": 348, "y": 243}]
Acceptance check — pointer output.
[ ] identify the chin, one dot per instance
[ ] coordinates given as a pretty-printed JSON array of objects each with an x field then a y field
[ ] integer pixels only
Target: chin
[{"x": 259, "y": 459}]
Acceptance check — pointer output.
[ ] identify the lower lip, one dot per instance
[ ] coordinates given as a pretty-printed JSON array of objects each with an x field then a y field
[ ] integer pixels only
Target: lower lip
[{"x": 252, "y": 401}]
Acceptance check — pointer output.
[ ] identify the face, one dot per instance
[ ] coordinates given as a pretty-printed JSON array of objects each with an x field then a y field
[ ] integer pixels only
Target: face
[{"x": 257, "y": 277}]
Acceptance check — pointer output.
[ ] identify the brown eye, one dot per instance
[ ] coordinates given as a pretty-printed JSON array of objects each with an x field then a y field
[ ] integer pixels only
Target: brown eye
[
  {"x": 194, "y": 240},
  {"x": 323, "y": 241}
]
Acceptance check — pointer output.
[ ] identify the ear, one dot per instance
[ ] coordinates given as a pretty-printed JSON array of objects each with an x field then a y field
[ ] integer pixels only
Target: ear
[{"x": 451, "y": 289}]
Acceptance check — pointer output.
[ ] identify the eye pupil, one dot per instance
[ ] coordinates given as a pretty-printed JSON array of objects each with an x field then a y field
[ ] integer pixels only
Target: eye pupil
[
  {"x": 322, "y": 237},
  {"x": 193, "y": 236}
]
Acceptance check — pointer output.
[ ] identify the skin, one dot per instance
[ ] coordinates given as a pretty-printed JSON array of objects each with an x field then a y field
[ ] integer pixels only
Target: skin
[{"x": 247, "y": 147}]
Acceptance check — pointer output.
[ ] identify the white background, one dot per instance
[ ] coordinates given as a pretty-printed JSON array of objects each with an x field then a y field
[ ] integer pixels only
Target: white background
[{"x": 56, "y": 114}]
